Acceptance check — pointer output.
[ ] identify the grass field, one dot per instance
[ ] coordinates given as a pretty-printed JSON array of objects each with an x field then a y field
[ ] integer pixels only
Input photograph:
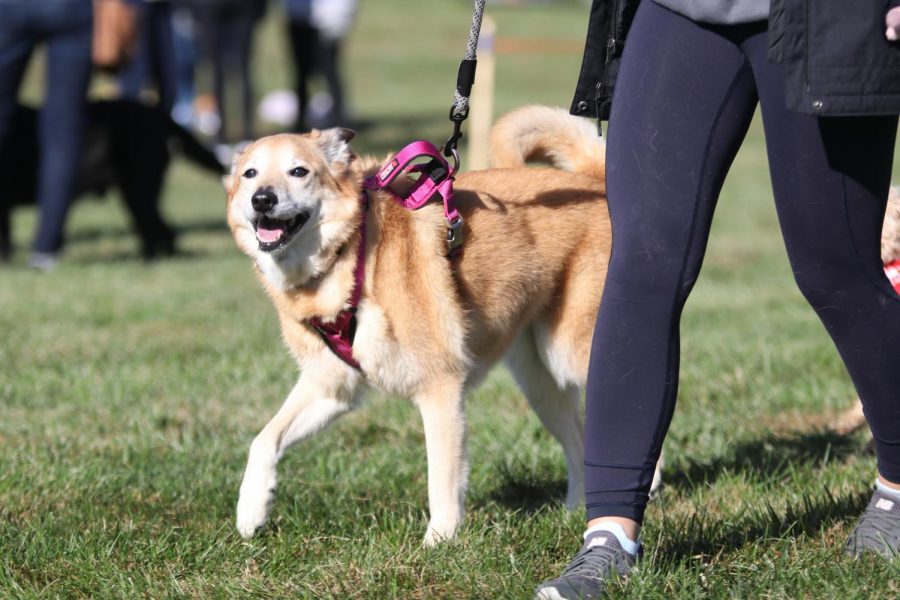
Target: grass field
[{"x": 129, "y": 394}]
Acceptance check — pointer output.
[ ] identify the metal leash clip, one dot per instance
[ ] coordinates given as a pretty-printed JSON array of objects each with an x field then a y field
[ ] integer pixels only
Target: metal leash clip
[{"x": 455, "y": 237}]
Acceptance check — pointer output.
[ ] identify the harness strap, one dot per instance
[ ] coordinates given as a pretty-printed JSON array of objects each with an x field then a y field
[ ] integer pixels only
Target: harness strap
[
  {"x": 338, "y": 335},
  {"x": 435, "y": 178}
]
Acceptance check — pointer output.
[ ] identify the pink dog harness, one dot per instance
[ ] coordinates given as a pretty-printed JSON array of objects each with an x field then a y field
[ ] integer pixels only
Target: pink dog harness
[{"x": 435, "y": 178}]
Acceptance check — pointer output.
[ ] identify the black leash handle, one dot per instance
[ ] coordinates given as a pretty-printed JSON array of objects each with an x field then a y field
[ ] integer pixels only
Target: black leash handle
[{"x": 465, "y": 78}]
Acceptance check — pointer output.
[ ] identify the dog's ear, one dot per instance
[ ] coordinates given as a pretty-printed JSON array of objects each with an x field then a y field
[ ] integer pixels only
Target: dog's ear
[
  {"x": 335, "y": 144},
  {"x": 228, "y": 180}
]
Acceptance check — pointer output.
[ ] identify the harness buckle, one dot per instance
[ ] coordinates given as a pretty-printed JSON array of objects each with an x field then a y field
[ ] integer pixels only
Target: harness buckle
[{"x": 455, "y": 236}]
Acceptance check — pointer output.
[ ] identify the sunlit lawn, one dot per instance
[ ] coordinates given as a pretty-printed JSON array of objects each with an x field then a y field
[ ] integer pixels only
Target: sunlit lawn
[{"x": 129, "y": 394}]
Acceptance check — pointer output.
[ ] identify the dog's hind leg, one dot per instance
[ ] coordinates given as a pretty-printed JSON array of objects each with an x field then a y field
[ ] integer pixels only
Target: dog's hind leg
[
  {"x": 444, "y": 421},
  {"x": 310, "y": 407},
  {"x": 557, "y": 408}
]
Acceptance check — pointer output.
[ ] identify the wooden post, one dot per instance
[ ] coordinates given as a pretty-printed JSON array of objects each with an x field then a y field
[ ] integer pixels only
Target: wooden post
[{"x": 482, "y": 102}]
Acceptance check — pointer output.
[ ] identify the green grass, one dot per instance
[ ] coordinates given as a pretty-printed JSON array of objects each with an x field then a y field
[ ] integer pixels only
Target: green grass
[{"x": 129, "y": 394}]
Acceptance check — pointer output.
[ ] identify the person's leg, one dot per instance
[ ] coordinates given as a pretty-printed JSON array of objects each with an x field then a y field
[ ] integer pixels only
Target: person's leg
[
  {"x": 61, "y": 127},
  {"x": 16, "y": 45},
  {"x": 329, "y": 61},
  {"x": 184, "y": 51},
  {"x": 303, "y": 38},
  {"x": 245, "y": 21},
  {"x": 133, "y": 75},
  {"x": 684, "y": 99},
  {"x": 213, "y": 46},
  {"x": 161, "y": 52},
  {"x": 831, "y": 178},
  {"x": 17, "y": 40}
]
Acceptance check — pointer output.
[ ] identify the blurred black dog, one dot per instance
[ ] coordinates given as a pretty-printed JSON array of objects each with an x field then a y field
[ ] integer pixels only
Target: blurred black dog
[{"x": 127, "y": 145}]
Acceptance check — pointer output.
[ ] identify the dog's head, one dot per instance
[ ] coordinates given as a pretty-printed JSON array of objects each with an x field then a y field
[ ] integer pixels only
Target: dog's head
[{"x": 293, "y": 201}]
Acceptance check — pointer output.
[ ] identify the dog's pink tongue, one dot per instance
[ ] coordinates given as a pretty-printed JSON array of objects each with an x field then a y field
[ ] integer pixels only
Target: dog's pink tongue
[{"x": 269, "y": 235}]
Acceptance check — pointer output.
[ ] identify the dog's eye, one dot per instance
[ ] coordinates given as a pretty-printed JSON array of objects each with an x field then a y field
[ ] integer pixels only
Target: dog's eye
[
  {"x": 250, "y": 173},
  {"x": 298, "y": 172}
]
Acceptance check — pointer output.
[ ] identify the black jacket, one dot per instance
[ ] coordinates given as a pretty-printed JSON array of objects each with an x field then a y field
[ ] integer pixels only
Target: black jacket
[
  {"x": 837, "y": 60},
  {"x": 608, "y": 25}
]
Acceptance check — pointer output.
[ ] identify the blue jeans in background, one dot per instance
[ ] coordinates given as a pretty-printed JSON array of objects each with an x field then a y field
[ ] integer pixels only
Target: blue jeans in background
[
  {"x": 65, "y": 26},
  {"x": 155, "y": 56}
]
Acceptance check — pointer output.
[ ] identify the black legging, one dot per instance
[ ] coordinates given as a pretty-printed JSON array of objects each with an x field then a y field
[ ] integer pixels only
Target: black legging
[
  {"x": 315, "y": 53},
  {"x": 226, "y": 28},
  {"x": 685, "y": 96}
]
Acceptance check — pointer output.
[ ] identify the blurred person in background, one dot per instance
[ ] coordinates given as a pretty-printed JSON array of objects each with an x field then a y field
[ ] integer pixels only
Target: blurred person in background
[
  {"x": 317, "y": 29},
  {"x": 185, "y": 51},
  {"x": 226, "y": 29},
  {"x": 65, "y": 27},
  {"x": 154, "y": 55}
]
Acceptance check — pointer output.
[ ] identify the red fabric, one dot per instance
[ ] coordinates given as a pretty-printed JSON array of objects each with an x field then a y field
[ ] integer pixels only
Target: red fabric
[{"x": 892, "y": 270}]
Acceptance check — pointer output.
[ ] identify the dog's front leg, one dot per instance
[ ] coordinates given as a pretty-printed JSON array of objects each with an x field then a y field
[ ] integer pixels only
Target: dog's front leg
[
  {"x": 444, "y": 420},
  {"x": 309, "y": 408}
]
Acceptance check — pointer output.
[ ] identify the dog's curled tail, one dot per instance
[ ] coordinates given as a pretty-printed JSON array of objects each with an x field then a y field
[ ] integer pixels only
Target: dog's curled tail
[{"x": 547, "y": 134}]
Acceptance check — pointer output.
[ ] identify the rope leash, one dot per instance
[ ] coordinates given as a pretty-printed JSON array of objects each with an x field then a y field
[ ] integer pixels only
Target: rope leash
[{"x": 465, "y": 78}]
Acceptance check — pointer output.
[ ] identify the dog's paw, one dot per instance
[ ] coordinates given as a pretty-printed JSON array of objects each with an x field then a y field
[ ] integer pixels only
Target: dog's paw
[
  {"x": 252, "y": 511},
  {"x": 437, "y": 533},
  {"x": 255, "y": 500}
]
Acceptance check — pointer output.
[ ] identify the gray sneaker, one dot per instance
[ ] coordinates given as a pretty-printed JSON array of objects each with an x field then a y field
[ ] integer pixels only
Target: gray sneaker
[
  {"x": 878, "y": 530},
  {"x": 43, "y": 262},
  {"x": 601, "y": 558}
]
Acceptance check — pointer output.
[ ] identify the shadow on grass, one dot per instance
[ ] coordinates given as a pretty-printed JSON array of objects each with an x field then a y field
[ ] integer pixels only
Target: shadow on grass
[
  {"x": 702, "y": 534},
  {"x": 771, "y": 456},
  {"x": 518, "y": 488}
]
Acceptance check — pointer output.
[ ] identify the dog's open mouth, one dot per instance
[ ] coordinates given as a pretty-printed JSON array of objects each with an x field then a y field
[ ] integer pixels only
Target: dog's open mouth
[{"x": 275, "y": 233}]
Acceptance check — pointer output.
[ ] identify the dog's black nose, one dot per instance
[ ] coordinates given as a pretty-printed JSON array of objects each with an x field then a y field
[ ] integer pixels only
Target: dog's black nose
[{"x": 264, "y": 200}]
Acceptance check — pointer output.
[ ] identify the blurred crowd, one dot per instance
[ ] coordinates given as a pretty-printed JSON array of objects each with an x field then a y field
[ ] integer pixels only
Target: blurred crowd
[{"x": 157, "y": 51}]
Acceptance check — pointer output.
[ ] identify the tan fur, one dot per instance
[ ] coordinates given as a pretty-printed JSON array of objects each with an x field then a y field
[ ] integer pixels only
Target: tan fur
[
  {"x": 527, "y": 286},
  {"x": 548, "y": 136}
]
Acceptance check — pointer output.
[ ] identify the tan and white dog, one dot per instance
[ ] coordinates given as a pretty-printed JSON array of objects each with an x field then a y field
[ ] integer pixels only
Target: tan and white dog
[{"x": 527, "y": 287}]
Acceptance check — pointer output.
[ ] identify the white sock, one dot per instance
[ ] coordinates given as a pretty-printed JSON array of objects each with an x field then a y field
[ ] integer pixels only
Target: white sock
[
  {"x": 628, "y": 545},
  {"x": 886, "y": 490}
]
